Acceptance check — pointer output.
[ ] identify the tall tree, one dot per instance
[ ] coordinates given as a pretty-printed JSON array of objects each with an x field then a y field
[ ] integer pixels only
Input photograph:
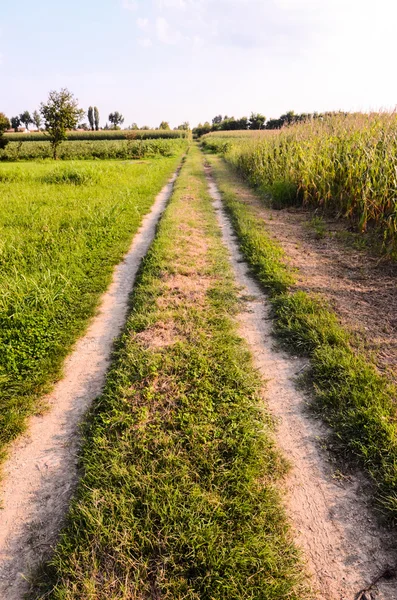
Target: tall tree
[
  {"x": 26, "y": 119},
  {"x": 96, "y": 118},
  {"x": 90, "y": 116},
  {"x": 164, "y": 125},
  {"x": 4, "y": 125},
  {"x": 15, "y": 123},
  {"x": 36, "y": 118},
  {"x": 61, "y": 113},
  {"x": 116, "y": 118}
]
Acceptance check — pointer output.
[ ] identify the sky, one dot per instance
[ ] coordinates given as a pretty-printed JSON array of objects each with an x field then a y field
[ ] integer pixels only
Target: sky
[{"x": 189, "y": 60}]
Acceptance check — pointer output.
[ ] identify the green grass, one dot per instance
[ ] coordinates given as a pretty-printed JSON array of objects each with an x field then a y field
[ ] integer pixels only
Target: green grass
[
  {"x": 103, "y": 134},
  {"x": 318, "y": 225},
  {"x": 178, "y": 497},
  {"x": 63, "y": 227},
  {"x": 98, "y": 149},
  {"x": 349, "y": 393}
]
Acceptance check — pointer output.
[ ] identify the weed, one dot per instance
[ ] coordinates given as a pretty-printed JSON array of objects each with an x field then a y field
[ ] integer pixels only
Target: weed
[{"x": 318, "y": 225}]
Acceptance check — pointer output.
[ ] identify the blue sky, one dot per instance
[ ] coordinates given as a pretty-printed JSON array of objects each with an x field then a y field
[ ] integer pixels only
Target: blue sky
[{"x": 192, "y": 59}]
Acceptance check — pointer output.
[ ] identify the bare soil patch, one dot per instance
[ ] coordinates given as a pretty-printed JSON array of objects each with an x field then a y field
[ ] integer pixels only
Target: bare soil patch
[{"x": 360, "y": 287}]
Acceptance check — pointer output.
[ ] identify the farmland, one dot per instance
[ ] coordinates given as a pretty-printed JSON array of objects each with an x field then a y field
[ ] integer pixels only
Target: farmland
[
  {"x": 63, "y": 228},
  {"x": 103, "y": 134},
  {"x": 183, "y": 491},
  {"x": 98, "y": 149},
  {"x": 343, "y": 165}
]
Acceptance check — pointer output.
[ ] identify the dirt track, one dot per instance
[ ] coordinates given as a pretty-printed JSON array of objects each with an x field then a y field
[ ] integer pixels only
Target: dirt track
[{"x": 344, "y": 547}]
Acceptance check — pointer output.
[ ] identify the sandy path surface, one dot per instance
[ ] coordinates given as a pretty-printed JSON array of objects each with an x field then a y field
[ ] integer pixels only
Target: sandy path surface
[
  {"x": 41, "y": 473},
  {"x": 344, "y": 547}
]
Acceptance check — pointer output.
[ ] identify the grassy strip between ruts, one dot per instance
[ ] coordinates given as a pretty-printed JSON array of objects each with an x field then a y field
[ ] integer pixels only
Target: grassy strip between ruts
[
  {"x": 62, "y": 230},
  {"x": 350, "y": 394},
  {"x": 178, "y": 497}
]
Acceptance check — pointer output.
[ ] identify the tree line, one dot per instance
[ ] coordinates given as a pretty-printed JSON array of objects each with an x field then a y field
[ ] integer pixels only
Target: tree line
[
  {"x": 115, "y": 118},
  {"x": 256, "y": 121},
  {"x": 61, "y": 114}
]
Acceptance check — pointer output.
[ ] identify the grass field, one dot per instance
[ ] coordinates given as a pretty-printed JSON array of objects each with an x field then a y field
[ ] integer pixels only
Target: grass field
[
  {"x": 62, "y": 229},
  {"x": 344, "y": 165},
  {"x": 103, "y": 134},
  {"x": 349, "y": 392},
  {"x": 178, "y": 498},
  {"x": 99, "y": 149}
]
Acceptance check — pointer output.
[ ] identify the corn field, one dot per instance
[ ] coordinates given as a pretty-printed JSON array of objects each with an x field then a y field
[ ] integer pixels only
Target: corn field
[{"x": 345, "y": 164}]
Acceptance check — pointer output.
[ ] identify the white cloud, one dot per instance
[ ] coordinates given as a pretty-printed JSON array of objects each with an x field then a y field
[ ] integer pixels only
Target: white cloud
[
  {"x": 165, "y": 33},
  {"x": 130, "y": 5},
  {"x": 173, "y": 3},
  {"x": 143, "y": 24},
  {"x": 145, "y": 42}
]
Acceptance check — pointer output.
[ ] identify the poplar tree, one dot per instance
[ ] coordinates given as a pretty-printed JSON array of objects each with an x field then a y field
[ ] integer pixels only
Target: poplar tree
[
  {"x": 90, "y": 115},
  {"x": 96, "y": 118}
]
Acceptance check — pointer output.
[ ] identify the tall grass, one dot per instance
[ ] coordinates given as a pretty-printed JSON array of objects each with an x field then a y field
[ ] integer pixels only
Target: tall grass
[
  {"x": 101, "y": 149},
  {"x": 345, "y": 164},
  {"x": 62, "y": 229}
]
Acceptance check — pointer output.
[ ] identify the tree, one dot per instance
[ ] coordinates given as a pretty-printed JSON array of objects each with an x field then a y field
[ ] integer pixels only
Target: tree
[
  {"x": 242, "y": 123},
  {"x": 164, "y": 125},
  {"x": 36, "y": 119},
  {"x": 90, "y": 115},
  {"x": 184, "y": 126},
  {"x": 4, "y": 125},
  {"x": 257, "y": 121},
  {"x": 217, "y": 120},
  {"x": 15, "y": 123},
  {"x": 26, "y": 119},
  {"x": 202, "y": 129},
  {"x": 96, "y": 118},
  {"x": 117, "y": 119},
  {"x": 134, "y": 127},
  {"x": 60, "y": 114}
]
